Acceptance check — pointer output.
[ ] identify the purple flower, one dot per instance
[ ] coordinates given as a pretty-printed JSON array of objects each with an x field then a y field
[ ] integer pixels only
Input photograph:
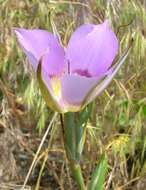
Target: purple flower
[{"x": 71, "y": 78}]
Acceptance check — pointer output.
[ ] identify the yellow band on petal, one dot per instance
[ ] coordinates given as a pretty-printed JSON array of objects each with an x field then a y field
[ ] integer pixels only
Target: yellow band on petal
[{"x": 56, "y": 86}]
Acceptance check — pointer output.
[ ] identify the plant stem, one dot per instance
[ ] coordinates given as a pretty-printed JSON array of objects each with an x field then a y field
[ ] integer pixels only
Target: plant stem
[{"x": 74, "y": 165}]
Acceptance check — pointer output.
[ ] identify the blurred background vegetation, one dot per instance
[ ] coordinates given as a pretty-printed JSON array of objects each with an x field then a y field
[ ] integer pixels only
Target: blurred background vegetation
[{"x": 118, "y": 120}]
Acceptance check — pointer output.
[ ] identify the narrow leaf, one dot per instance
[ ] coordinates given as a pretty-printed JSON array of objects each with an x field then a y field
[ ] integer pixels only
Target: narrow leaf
[
  {"x": 82, "y": 119},
  {"x": 99, "y": 174}
]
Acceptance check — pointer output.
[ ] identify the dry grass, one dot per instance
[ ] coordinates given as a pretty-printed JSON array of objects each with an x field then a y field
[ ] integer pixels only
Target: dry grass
[{"x": 118, "y": 121}]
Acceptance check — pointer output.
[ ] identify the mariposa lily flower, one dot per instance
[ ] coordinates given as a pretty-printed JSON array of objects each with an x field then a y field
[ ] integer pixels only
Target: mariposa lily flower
[{"x": 71, "y": 78}]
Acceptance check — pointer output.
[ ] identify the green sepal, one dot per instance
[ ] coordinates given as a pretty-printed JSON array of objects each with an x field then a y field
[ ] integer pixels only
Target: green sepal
[{"x": 99, "y": 174}]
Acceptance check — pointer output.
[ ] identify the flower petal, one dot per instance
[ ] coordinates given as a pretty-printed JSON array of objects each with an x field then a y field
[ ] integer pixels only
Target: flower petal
[
  {"x": 46, "y": 90},
  {"x": 35, "y": 42},
  {"x": 92, "y": 49},
  {"x": 101, "y": 85},
  {"x": 75, "y": 88}
]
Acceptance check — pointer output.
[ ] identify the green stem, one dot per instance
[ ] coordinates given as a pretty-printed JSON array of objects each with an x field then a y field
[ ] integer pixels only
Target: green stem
[{"x": 69, "y": 138}]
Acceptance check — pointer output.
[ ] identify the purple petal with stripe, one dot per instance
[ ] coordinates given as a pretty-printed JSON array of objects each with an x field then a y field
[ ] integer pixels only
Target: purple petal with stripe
[
  {"x": 91, "y": 49},
  {"x": 100, "y": 87}
]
